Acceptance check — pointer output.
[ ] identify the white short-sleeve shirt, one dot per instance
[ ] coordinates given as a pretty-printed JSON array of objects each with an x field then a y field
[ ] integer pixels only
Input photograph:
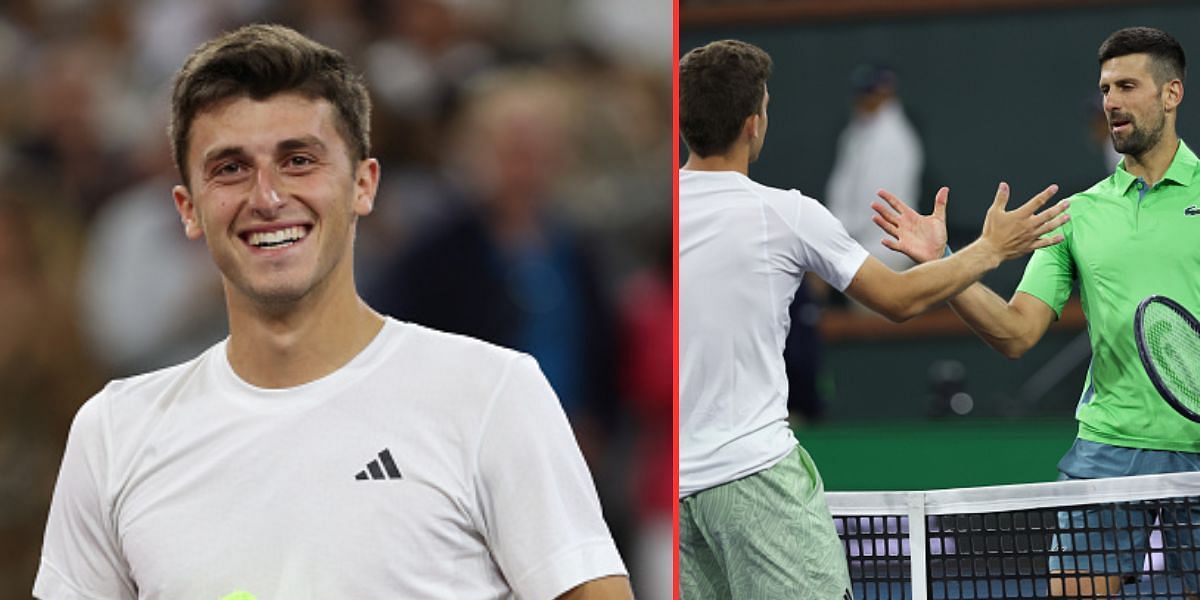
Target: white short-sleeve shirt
[
  {"x": 429, "y": 466},
  {"x": 743, "y": 250}
]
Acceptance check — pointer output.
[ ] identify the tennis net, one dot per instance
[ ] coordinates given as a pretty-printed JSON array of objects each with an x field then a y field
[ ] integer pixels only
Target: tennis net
[{"x": 1128, "y": 537}]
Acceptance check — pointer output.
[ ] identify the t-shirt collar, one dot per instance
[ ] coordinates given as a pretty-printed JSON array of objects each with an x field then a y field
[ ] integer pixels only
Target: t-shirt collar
[{"x": 1181, "y": 171}]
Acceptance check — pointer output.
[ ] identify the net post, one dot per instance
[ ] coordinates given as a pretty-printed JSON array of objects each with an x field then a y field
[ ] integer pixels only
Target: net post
[{"x": 917, "y": 544}]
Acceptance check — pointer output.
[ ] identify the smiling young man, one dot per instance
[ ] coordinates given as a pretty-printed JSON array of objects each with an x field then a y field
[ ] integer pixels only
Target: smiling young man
[
  {"x": 322, "y": 450},
  {"x": 1130, "y": 236}
]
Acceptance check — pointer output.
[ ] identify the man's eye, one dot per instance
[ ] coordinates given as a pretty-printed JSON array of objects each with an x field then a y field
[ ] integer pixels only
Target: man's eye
[
  {"x": 300, "y": 161},
  {"x": 229, "y": 169}
]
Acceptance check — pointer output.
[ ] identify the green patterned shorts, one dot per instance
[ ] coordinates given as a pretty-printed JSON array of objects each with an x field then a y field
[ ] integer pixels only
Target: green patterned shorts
[{"x": 765, "y": 536}]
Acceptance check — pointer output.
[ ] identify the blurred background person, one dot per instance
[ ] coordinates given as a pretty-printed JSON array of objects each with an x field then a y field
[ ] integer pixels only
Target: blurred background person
[
  {"x": 96, "y": 281},
  {"x": 878, "y": 149},
  {"x": 502, "y": 265}
]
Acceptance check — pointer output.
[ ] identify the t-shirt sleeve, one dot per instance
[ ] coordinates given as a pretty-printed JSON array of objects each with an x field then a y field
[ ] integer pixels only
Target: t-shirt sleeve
[
  {"x": 825, "y": 247},
  {"x": 1051, "y": 273},
  {"x": 81, "y": 558},
  {"x": 540, "y": 511}
]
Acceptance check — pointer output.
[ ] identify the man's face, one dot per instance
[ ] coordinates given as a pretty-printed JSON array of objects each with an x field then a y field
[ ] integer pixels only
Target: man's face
[
  {"x": 1133, "y": 103},
  {"x": 275, "y": 194},
  {"x": 756, "y": 144}
]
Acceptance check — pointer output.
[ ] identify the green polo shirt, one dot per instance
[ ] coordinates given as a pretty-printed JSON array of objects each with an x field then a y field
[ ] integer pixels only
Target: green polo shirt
[{"x": 1126, "y": 241}]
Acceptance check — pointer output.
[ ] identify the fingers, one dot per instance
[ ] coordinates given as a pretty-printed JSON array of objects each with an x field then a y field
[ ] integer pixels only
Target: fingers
[
  {"x": 939, "y": 203},
  {"x": 1037, "y": 201},
  {"x": 897, "y": 204},
  {"x": 1001, "y": 199},
  {"x": 887, "y": 226},
  {"x": 1055, "y": 210},
  {"x": 890, "y": 215},
  {"x": 1044, "y": 242},
  {"x": 1052, "y": 223},
  {"x": 891, "y": 244}
]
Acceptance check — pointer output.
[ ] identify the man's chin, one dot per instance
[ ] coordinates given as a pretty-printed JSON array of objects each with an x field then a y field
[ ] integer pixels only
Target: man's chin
[{"x": 277, "y": 295}]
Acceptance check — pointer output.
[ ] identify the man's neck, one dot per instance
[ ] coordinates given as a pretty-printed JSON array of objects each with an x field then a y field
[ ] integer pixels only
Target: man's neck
[
  {"x": 737, "y": 159},
  {"x": 1153, "y": 164},
  {"x": 280, "y": 347}
]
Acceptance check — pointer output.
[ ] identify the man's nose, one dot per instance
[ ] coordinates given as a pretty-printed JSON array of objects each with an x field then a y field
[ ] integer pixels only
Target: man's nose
[{"x": 265, "y": 198}]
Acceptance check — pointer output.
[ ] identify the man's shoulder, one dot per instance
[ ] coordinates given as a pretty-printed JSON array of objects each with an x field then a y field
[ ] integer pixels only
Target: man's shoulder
[
  {"x": 153, "y": 383},
  {"x": 1104, "y": 189},
  {"x": 126, "y": 402},
  {"x": 433, "y": 347},
  {"x": 702, "y": 183}
]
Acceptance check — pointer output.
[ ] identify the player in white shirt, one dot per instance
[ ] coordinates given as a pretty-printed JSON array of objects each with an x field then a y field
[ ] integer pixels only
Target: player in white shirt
[
  {"x": 753, "y": 520},
  {"x": 322, "y": 450}
]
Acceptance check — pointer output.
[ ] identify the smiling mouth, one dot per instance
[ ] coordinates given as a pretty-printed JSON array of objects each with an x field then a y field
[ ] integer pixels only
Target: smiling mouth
[{"x": 279, "y": 238}]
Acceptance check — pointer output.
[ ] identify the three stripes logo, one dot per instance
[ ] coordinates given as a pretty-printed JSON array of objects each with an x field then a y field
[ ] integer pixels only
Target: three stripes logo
[{"x": 388, "y": 469}]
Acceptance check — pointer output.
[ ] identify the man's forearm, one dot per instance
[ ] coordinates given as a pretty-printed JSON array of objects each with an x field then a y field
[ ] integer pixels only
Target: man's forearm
[
  {"x": 615, "y": 587},
  {"x": 994, "y": 320},
  {"x": 925, "y": 285}
]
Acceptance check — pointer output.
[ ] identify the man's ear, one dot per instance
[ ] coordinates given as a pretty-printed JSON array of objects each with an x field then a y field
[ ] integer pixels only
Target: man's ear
[
  {"x": 1172, "y": 95},
  {"x": 366, "y": 184},
  {"x": 187, "y": 212},
  {"x": 750, "y": 127}
]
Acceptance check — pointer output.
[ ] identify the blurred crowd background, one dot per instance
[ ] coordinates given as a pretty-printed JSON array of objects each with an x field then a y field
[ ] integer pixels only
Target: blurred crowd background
[
  {"x": 910, "y": 96},
  {"x": 525, "y": 200}
]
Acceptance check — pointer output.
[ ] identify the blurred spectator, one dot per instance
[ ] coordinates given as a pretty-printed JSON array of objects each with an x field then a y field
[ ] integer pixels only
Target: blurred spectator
[
  {"x": 878, "y": 149},
  {"x": 503, "y": 266},
  {"x": 150, "y": 297},
  {"x": 44, "y": 373}
]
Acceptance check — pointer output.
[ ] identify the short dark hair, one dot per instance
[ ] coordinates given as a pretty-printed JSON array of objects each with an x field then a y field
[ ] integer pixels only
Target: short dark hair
[
  {"x": 1167, "y": 59},
  {"x": 720, "y": 85},
  {"x": 259, "y": 61}
]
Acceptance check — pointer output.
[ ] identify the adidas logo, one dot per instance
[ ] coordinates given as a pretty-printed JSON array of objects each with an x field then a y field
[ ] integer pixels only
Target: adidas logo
[
  {"x": 377, "y": 472},
  {"x": 1191, "y": 211}
]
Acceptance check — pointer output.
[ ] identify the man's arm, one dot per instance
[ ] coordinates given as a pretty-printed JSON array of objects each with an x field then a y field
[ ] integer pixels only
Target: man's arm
[
  {"x": 1012, "y": 327},
  {"x": 615, "y": 587},
  {"x": 1006, "y": 235}
]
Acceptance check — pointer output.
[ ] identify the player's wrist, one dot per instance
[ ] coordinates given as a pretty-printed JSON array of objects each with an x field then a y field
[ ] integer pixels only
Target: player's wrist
[{"x": 987, "y": 251}]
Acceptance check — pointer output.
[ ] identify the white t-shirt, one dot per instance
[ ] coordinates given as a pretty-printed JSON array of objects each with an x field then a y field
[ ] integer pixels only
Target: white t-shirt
[
  {"x": 743, "y": 250},
  {"x": 429, "y": 466}
]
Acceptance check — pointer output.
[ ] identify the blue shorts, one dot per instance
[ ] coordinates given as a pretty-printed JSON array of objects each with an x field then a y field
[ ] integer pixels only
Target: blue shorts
[{"x": 1114, "y": 538}]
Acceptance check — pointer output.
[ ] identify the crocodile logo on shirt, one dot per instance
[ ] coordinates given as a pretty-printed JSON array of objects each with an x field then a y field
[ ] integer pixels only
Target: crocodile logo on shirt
[{"x": 1191, "y": 211}]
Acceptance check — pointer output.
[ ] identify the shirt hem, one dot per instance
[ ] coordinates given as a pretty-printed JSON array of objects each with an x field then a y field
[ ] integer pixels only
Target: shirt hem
[{"x": 1139, "y": 443}]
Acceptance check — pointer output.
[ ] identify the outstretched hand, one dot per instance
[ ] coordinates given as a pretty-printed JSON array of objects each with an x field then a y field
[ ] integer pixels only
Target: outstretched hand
[
  {"x": 920, "y": 237},
  {"x": 1013, "y": 233}
]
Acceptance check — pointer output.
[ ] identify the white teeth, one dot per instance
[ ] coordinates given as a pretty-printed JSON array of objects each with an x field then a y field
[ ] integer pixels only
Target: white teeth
[{"x": 279, "y": 237}]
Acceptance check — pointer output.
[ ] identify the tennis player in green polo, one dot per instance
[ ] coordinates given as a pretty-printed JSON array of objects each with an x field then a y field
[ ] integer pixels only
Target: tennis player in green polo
[{"x": 1134, "y": 234}]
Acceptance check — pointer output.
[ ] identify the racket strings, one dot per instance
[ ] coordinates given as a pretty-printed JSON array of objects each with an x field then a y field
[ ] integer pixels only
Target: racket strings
[{"x": 1174, "y": 346}]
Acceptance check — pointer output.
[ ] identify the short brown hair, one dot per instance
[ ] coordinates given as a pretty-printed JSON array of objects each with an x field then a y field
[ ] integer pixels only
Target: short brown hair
[
  {"x": 259, "y": 61},
  {"x": 1167, "y": 60},
  {"x": 720, "y": 86}
]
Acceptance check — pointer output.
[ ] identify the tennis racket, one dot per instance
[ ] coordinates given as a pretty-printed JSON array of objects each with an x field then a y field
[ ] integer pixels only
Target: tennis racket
[{"x": 1168, "y": 342}]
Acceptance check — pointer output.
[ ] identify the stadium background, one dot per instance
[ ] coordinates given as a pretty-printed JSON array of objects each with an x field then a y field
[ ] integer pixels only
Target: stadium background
[
  {"x": 97, "y": 280},
  {"x": 998, "y": 90}
]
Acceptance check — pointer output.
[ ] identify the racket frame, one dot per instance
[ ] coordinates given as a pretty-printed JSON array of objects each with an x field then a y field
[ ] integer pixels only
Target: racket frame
[{"x": 1144, "y": 352}]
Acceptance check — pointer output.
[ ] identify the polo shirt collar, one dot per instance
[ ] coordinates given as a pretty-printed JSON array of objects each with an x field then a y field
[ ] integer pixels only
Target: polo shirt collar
[{"x": 1181, "y": 171}]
